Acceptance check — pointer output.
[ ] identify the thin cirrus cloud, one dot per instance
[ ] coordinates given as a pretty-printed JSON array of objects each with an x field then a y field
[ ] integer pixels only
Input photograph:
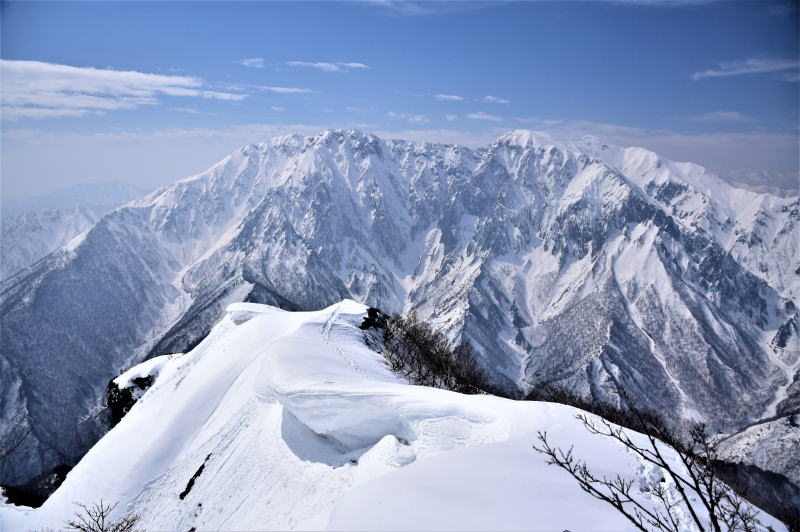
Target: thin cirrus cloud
[
  {"x": 285, "y": 90},
  {"x": 485, "y": 116},
  {"x": 33, "y": 89},
  {"x": 721, "y": 116},
  {"x": 414, "y": 119},
  {"x": 448, "y": 97},
  {"x": 327, "y": 67},
  {"x": 781, "y": 67},
  {"x": 255, "y": 62},
  {"x": 495, "y": 99},
  {"x": 187, "y": 110}
]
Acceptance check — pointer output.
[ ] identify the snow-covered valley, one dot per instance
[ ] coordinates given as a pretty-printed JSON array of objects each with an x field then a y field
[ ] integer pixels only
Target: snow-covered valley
[{"x": 287, "y": 420}]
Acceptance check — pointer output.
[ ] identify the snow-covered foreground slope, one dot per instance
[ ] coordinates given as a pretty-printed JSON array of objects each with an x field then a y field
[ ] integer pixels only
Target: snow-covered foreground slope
[
  {"x": 297, "y": 424},
  {"x": 580, "y": 264}
]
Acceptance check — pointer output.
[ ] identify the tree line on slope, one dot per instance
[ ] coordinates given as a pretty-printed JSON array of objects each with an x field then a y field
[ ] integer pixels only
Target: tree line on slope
[{"x": 424, "y": 356}]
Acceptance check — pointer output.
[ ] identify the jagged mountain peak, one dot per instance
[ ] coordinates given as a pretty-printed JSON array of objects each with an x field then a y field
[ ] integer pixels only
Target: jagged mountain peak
[{"x": 557, "y": 264}]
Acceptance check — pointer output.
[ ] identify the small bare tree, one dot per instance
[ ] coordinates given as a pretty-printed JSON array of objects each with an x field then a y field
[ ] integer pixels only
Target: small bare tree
[
  {"x": 711, "y": 504},
  {"x": 96, "y": 518}
]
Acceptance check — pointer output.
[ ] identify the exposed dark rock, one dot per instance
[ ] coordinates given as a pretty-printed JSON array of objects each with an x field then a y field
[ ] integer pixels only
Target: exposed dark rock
[
  {"x": 375, "y": 319},
  {"x": 120, "y": 400},
  {"x": 190, "y": 484}
]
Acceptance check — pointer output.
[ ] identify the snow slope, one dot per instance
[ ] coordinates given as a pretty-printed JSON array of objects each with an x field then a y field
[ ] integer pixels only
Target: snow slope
[
  {"x": 298, "y": 425},
  {"x": 575, "y": 263}
]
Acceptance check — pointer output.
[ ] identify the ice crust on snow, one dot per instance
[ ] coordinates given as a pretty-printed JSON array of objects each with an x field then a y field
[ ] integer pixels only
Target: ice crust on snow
[{"x": 299, "y": 425}]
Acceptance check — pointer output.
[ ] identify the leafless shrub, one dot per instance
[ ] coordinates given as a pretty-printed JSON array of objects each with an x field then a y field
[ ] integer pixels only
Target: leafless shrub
[
  {"x": 424, "y": 356},
  {"x": 96, "y": 518},
  {"x": 711, "y": 504}
]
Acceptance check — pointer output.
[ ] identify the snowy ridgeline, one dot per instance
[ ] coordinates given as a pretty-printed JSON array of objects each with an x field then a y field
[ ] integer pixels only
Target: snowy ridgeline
[{"x": 287, "y": 420}]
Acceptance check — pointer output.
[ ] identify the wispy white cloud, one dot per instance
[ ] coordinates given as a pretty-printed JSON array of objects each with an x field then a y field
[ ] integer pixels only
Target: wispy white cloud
[
  {"x": 450, "y": 97},
  {"x": 255, "y": 62},
  {"x": 721, "y": 116},
  {"x": 188, "y": 110},
  {"x": 32, "y": 89},
  {"x": 749, "y": 66},
  {"x": 285, "y": 90},
  {"x": 450, "y": 118},
  {"x": 278, "y": 108},
  {"x": 402, "y": 8},
  {"x": 327, "y": 67},
  {"x": 484, "y": 116},
  {"x": 416, "y": 119},
  {"x": 406, "y": 8},
  {"x": 495, "y": 99},
  {"x": 14, "y": 113}
]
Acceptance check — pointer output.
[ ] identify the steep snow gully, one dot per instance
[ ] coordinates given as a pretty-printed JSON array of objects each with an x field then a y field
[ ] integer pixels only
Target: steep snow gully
[{"x": 288, "y": 420}]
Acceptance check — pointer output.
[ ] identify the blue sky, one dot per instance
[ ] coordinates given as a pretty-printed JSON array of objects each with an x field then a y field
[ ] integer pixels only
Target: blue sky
[{"x": 150, "y": 92}]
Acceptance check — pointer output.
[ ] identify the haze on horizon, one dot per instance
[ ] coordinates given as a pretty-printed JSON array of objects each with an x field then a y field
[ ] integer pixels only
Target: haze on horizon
[{"x": 148, "y": 93}]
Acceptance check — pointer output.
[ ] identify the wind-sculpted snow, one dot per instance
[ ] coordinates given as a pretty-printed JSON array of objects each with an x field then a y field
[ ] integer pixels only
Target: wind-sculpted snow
[
  {"x": 287, "y": 420},
  {"x": 579, "y": 264}
]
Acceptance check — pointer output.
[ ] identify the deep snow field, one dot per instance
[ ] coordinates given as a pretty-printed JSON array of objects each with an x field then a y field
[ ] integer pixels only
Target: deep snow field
[{"x": 299, "y": 425}]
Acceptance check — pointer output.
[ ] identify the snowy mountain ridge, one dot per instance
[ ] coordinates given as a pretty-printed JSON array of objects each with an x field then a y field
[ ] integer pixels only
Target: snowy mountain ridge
[
  {"x": 580, "y": 264},
  {"x": 287, "y": 420}
]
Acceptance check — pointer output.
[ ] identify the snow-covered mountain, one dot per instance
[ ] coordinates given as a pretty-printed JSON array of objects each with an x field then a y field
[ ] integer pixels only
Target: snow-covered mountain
[
  {"x": 34, "y": 227},
  {"x": 574, "y": 263},
  {"x": 287, "y": 420}
]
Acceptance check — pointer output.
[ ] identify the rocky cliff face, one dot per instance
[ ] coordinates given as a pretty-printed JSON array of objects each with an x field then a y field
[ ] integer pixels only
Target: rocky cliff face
[{"x": 580, "y": 264}]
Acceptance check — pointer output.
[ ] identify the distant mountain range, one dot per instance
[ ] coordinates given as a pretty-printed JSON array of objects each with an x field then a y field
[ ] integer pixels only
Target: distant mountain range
[
  {"x": 33, "y": 227},
  {"x": 580, "y": 264}
]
